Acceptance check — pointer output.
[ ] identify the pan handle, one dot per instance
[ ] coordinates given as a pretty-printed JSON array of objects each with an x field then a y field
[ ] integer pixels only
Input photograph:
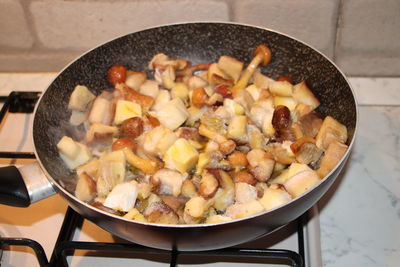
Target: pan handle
[{"x": 22, "y": 186}]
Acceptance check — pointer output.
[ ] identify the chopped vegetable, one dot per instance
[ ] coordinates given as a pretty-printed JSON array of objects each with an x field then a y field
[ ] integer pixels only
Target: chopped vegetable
[{"x": 207, "y": 143}]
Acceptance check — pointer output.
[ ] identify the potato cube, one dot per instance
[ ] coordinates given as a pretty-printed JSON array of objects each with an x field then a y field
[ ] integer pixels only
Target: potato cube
[
  {"x": 83, "y": 156},
  {"x": 230, "y": 66},
  {"x": 245, "y": 192},
  {"x": 196, "y": 82},
  {"x": 173, "y": 114},
  {"x": 158, "y": 140},
  {"x": 80, "y": 98},
  {"x": 261, "y": 81},
  {"x": 123, "y": 196},
  {"x": 85, "y": 188},
  {"x": 303, "y": 94},
  {"x": 89, "y": 168},
  {"x": 333, "y": 154},
  {"x": 135, "y": 79},
  {"x": 68, "y": 147},
  {"x": 215, "y": 70},
  {"x": 162, "y": 98},
  {"x": 195, "y": 114},
  {"x": 287, "y": 101},
  {"x": 150, "y": 88},
  {"x": 98, "y": 131},
  {"x": 111, "y": 172},
  {"x": 100, "y": 111},
  {"x": 274, "y": 196},
  {"x": 170, "y": 181},
  {"x": 168, "y": 77},
  {"x": 254, "y": 91},
  {"x": 180, "y": 90},
  {"x": 196, "y": 206},
  {"x": 256, "y": 138},
  {"x": 218, "y": 219},
  {"x": 237, "y": 127},
  {"x": 301, "y": 182},
  {"x": 240, "y": 210},
  {"x": 188, "y": 189},
  {"x": 296, "y": 168},
  {"x": 281, "y": 178},
  {"x": 331, "y": 130},
  {"x": 204, "y": 159},
  {"x": 232, "y": 107},
  {"x": 281, "y": 88},
  {"x": 78, "y": 117}
]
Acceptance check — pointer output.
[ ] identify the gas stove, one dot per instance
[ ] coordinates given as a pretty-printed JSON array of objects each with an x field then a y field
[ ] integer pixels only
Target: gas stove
[{"x": 51, "y": 233}]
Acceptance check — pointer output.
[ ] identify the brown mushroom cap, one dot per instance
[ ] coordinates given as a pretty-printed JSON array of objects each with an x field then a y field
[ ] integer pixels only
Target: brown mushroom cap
[{"x": 263, "y": 51}]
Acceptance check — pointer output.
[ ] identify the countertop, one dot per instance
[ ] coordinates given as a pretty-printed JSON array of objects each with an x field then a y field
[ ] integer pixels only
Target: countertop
[{"x": 360, "y": 215}]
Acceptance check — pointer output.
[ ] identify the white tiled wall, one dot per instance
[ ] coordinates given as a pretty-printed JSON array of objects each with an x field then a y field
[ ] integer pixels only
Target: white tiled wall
[{"x": 362, "y": 36}]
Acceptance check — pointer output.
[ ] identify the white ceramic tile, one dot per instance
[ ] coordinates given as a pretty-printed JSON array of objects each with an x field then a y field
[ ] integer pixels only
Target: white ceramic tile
[
  {"x": 25, "y": 81},
  {"x": 376, "y": 91}
]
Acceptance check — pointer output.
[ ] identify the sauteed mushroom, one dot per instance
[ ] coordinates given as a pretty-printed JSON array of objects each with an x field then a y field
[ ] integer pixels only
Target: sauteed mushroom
[{"x": 200, "y": 144}]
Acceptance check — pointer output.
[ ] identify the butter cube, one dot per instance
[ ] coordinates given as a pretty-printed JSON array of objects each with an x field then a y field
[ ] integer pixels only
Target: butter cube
[
  {"x": 125, "y": 110},
  {"x": 181, "y": 156}
]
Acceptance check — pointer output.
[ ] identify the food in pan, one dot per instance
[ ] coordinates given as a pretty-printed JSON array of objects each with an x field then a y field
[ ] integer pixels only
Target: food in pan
[{"x": 203, "y": 143}]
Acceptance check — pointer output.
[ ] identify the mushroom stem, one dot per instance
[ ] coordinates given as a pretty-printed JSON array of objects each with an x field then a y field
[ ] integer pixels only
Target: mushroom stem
[
  {"x": 262, "y": 56},
  {"x": 146, "y": 165}
]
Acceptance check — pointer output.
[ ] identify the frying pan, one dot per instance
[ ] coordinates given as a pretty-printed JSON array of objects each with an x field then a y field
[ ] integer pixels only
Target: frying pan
[{"x": 199, "y": 43}]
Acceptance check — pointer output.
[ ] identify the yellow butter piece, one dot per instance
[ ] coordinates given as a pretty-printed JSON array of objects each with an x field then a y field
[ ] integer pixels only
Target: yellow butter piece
[
  {"x": 181, "y": 156},
  {"x": 125, "y": 110}
]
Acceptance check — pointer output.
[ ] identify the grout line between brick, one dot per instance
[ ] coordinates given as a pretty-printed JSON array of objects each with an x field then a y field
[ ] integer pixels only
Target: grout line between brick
[
  {"x": 31, "y": 25},
  {"x": 337, "y": 33}
]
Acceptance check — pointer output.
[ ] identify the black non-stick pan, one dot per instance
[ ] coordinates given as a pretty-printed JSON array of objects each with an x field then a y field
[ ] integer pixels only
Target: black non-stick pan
[{"x": 199, "y": 43}]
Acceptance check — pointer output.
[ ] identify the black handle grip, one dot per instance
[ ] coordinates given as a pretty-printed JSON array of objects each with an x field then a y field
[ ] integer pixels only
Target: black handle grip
[{"x": 13, "y": 190}]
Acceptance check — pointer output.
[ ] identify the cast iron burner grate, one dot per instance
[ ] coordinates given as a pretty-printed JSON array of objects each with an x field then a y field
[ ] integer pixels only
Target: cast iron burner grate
[{"x": 65, "y": 246}]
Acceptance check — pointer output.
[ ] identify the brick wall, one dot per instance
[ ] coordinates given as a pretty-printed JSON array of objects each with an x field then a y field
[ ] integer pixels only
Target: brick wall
[{"x": 361, "y": 36}]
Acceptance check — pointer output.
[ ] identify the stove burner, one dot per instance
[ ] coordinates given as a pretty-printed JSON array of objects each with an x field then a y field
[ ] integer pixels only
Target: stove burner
[
  {"x": 36, "y": 247},
  {"x": 20, "y": 102},
  {"x": 24, "y": 102}
]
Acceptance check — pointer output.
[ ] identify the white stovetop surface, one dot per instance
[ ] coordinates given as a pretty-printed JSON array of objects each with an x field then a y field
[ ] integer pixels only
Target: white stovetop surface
[{"x": 360, "y": 215}]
